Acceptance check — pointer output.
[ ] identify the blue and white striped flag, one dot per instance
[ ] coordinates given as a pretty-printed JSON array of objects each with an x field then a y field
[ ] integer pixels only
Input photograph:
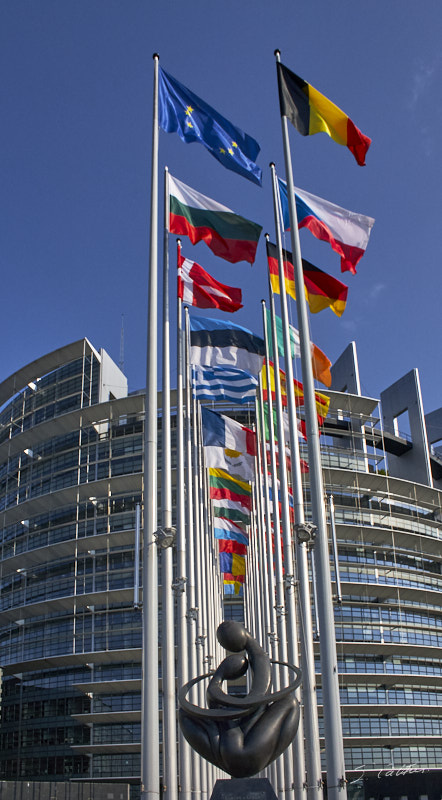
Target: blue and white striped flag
[{"x": 225, "y": 384}]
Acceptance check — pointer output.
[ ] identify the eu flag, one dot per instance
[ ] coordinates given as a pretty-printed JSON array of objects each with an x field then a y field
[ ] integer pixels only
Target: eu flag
[{"x": 183, "y": 112}]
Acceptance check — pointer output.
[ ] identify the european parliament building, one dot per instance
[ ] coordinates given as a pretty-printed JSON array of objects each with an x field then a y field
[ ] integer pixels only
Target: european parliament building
[{"x": 71, "y": 458}]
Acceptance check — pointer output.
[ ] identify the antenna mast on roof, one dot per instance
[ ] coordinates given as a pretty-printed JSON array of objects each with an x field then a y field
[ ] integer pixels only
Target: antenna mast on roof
[{"x": 121, "y": 364}]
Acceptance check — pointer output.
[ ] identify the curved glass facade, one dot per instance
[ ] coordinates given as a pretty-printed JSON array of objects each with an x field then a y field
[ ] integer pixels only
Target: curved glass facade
[
  {"x": 70, "y": 636},
  {"x": 388, "y": 613}
]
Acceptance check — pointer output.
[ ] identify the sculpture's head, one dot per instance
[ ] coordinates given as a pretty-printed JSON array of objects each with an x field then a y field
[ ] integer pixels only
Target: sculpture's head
[{"x": 232, "y": 636}]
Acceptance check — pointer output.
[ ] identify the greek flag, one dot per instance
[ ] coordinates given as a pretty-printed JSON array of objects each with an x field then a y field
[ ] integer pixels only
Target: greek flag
[{"x": 225, "y": 384}]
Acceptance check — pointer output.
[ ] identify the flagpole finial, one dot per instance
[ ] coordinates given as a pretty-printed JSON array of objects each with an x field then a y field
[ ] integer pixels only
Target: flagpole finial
[
  {"x": 267, "y": 236},
  {"x": 272, "y": 165},
  {"x": 156, "y": 56},
  {"x": 277, "y": 54}
]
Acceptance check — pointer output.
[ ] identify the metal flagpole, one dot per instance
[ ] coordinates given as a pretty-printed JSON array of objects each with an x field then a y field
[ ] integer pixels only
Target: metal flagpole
[
  {"x": 334, "y": 749},
  {"x": 289, "y": 578},
  {"x": 208, "y": 557},
  {"x": 331, "y": 505},
  {"x": 302, "y": 531},
  {"x": 166, "y": 540},
  {"x": 137, "y": 555},
  {"x": 263, "y": 585},
  {"x": 279, "y": 572},
  {"x": 271, "y": 631},
  {"x": 217, "y": 586},
  {"x": 185, "y": 764},
  {"x": 201, "y": 638},
  {"x": 257, "y": 489},
  {"x": 192, "y": 611},
  {"x": 268, "y": 563},
  {"x": 253, "y": 568},
  {"x": 150, "y": 745}
]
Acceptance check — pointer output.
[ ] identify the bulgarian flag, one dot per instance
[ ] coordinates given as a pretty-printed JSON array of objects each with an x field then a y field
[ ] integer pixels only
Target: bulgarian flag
[
  {"x": 231, "y": 509},
  {"x": 321, "y": 289},
  {"x": 311, "y": 112},
  {"x": 227, "y": 234},
  {"x": 197, "y": 288}
]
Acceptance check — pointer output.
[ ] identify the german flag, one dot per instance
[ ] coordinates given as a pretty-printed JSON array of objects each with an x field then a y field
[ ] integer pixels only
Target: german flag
[
  {"x": 321, "y": 289},
  {"x": 311, "y": 112}
]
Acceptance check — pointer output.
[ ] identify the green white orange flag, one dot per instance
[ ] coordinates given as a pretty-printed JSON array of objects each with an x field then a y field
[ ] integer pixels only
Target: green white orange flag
[{"x": 320, "y": 363}]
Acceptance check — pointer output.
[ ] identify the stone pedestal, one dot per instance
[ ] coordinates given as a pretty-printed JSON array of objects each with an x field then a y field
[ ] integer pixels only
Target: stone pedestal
[{"x": 243, "y": 789}]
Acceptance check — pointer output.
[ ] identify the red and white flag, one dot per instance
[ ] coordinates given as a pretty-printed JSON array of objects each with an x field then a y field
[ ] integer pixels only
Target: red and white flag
[{"x": 197, "y": 288}]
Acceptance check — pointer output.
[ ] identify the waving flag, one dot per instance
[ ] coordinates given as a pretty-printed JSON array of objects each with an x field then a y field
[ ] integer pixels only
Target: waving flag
[
  {"x": 181, "y": 111},
  {"x": 231, "y": 510},
  {"x": 346, "y": 231},
  {"x": 286, "y": 425},
  {"x": 239, "y": 464},
  {"x": 310, "y": 112},
  {"x": 197, "y": 288},
  {"x": 225, "y": 384},
  {"x": 290, "y": 499},
  {"x": 215, "y": 342},
  {"x": 230, "y": 546},
  {"x": 228, "y": 235},
  {"x": 222, "y": 431},
  {"x": 226, "y": 529},
  {"x": 302, "y": 462},
  {"x": 232, "y": 563},
  {"x": 227, "y": 442},
  {"x": 225, "y": 486},
  {"x": 233, "y": 585},
  {"x": 320, "y": 363},
  {"x": 321, "y": 290},
  {"x": 322, "y": 400}
]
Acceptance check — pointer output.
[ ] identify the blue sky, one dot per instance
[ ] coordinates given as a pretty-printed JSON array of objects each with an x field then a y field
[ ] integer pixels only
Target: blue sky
[{"x": 75, "y": 149}]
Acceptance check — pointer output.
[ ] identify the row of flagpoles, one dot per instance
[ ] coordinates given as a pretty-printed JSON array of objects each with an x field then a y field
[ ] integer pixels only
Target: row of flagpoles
[{"x": 219, "y": 458}]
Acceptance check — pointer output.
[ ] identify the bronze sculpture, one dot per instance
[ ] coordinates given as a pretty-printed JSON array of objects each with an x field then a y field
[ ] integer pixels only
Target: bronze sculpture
[{"x": 241, "y": 734}]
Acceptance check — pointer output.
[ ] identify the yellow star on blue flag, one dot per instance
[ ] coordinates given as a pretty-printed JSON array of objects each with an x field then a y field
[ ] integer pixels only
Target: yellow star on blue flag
[{"x": 182, "y": 112}]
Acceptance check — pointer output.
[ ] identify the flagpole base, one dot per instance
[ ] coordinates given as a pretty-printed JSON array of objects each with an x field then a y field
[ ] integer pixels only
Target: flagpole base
[{"x": 243, "y": 789}]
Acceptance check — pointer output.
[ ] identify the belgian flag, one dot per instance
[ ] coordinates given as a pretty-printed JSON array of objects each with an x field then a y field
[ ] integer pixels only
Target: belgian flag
[{"x": 311, "y": 112}]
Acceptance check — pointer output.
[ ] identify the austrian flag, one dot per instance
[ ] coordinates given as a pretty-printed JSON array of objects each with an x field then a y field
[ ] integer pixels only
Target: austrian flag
[{"x": 197, "y": 288}]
